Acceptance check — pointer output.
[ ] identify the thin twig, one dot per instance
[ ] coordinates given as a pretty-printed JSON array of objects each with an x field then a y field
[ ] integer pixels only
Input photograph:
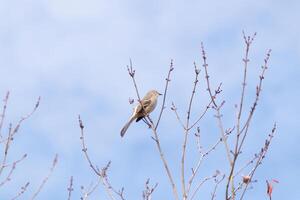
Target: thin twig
[
  {"x": 174, "y": 108},
  {"x": 8, "y": 177},
  {"x": 244, "y": 130},
  {"x": 165, "y": 163},
  {"x": 147, "y": 193},
  {"x": 258, "y": 91},
  {"x": 15, "y": 130},
  {"x": 6, "y": 148},
  {"x": 70, "y": 188},
  {"x": 46, "y": 178},
  {"x": 99, "y": 173},
  {"x": 5, "y": 100},
  {"x": 246, "y": 165},
  {"x": 131, "y": 72},
  {"x": 217, "y": 182},
  {"x": 205, "y": 65},
  {"x": 22, "y": 191},
  {"x": 186, "y": 132},
  {"x": 262, "y": 155},
  {"x": 216, "y": 107},
  {"x": 92, "y": 188},
  {"x": 217, "y": 91},
  {"x": 165, "y": 93},
  {"x": 202, "y": 182},
  {"x": 248, "y": 41},
  {"x": 222, "y": 130},
  {"x": 203, "y": 155}
]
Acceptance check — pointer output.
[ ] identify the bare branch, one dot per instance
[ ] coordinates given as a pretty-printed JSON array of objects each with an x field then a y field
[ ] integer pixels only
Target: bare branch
[
  {"x": 216, "y": 107},
  {"x": 102, "y": 174},
  {"x": 203, "y": 155},
  {"x": 217, "y": 182},
  {"x": 165, "y": 163},
  {"x": 244, "y": 130},
  {"x": 258, "y": 91},
  {"x": 147, "y": 193},
  {"x": 204, "y": 181},
  {"x": 205, "y": 65},
  {"x": 217, "y": 91},
  {"x": 131, "y": 73},
  {"x": 70, "y": 188},
  {"x": 174, "y": 108},
  {"x": 248, "y": 41},
  {"x": 261, "y": 156},
  {"x": 6, "y": 148},
  {"x": 8, "y": 177},
  {"x": 84, "y": 148},
  {"x": 22, "y": 191},
  {"x": 246, "y": 165},
  {"x": 90, "y": 190},
  {"x": 15, "y": 130},
  {"x": 5, "y": 100},
  {"x": 197, "y": 71},
  {"x": 46, "y": 178},
  {"x": 165, "y": 93},
  {"x": 222, "y": 130}
]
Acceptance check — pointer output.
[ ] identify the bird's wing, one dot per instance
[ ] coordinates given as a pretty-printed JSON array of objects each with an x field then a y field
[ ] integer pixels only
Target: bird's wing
[{"x": 146, "y": 103}]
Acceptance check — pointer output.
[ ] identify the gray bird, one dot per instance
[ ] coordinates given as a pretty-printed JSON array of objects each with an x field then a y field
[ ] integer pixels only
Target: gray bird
[{"x": 146, "y": 106}]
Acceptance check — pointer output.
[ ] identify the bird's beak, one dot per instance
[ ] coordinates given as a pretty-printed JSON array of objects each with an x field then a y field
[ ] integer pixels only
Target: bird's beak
[{"x": 159, "y": 93}]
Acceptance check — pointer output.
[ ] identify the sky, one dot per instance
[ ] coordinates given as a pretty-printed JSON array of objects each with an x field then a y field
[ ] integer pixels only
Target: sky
[{"x": 73, "y": 54}]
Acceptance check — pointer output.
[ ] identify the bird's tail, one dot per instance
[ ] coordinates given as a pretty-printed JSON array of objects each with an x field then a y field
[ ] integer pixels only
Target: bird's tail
[{"x": 124, "y": 129}]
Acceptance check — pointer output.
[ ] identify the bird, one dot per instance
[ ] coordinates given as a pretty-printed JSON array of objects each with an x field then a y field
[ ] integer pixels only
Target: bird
[{"x": 145, "y": 107}]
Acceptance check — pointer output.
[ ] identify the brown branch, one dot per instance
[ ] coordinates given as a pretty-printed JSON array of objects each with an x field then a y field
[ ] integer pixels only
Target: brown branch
[
  {"x": 87, "y": 193},
  {"x": 106, "y": 182},
  {"x": 244, "y": 130},
  {"x": 205, "y": 65},
  {"x": 204, "y": 181},
  {"x": 84, "y": 148},
  {"x": 102, "y": 174},
  {"x": 5, "y": 100},
  {"x": 15, "y": 130},
  {"x": 216, "y": 107},
  {"x": 248, "y": 41},
  {"x": 165, "y": 93},
  {"x": 203, "y": 155},
  {"x": 6, "y": 148},
  {"x": 8, "y": 177},
  {"x": 258, "y": 91},
  {"x": 246, "y": 165},
  {"x": 174, "y": 108},
  {"x": 217, "y": 91},
  {"x": 223, "y": 132},
  {"x": 131, "y": 73},
  {"x": 217, "y": 182},
  {"x": 70, "y": 188},
  {"x": 186, "y": 132},
  {"x": 262, "y": 155},
  {"x": 165, "y": 163},
  {"x": 46, "y": 178},
  {"x": 22, "y": 191},
  {"x": 147, "y": 193}
]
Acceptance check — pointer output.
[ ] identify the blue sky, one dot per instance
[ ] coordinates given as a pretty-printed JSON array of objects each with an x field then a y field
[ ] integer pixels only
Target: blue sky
[{"x": 74, "y": 55}]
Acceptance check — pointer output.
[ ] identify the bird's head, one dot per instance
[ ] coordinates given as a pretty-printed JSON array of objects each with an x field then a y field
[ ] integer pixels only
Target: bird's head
[{"x": 154, "y": 92}]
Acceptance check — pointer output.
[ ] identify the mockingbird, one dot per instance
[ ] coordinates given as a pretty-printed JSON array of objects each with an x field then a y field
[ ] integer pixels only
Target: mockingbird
[{"x": 146, "y": 106}]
